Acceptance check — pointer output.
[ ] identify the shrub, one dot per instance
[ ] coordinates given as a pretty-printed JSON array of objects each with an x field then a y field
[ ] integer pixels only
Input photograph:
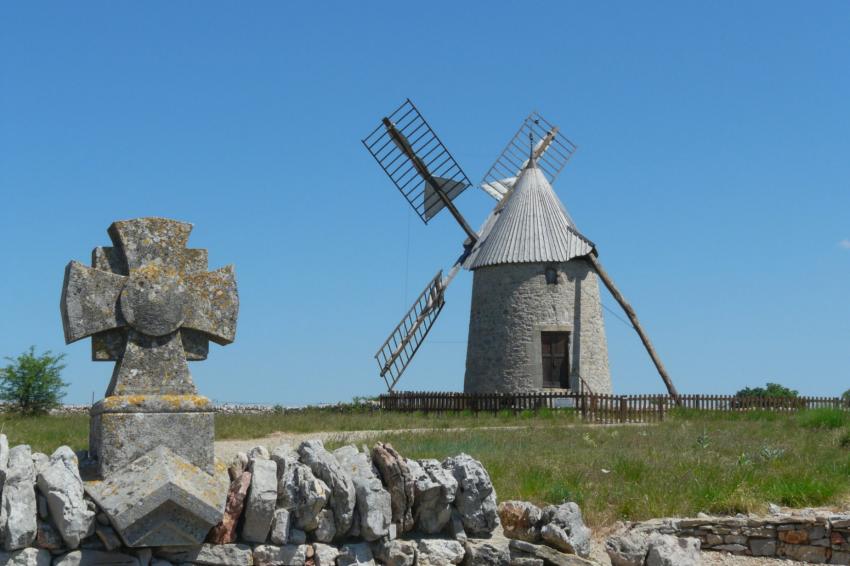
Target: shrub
[
  {"x": 32, "y": 383},
  {"x": 771, "y": 390},
  {"x": 846, "y": 396}
]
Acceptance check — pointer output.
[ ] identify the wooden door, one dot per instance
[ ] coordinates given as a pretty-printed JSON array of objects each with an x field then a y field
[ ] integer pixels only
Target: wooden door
[{"x": 555, "y": 348}]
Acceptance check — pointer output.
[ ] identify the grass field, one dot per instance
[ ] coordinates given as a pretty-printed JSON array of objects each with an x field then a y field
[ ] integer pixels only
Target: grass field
[{"x": 692, "y": 462}]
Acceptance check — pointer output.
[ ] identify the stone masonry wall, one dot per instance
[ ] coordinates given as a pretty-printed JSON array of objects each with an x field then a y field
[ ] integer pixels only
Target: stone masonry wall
[
  {"x": 817, "y": 537},
  {"x": 512, "y": 304}
]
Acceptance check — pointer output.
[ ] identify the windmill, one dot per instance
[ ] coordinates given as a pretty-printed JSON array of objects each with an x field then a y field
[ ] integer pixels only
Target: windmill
[{"x": 528, "y": 239}]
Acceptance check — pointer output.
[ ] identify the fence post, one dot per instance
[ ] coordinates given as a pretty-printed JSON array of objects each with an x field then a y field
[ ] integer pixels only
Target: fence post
[{"x": 623, "y": 409}]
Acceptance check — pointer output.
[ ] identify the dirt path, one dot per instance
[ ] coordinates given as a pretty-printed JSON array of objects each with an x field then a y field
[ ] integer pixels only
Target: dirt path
[{"x": 226, "y": 449}]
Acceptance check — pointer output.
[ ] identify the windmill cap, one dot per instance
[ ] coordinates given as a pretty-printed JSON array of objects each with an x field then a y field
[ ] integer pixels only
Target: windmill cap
[{"x": 532, "y": 227}]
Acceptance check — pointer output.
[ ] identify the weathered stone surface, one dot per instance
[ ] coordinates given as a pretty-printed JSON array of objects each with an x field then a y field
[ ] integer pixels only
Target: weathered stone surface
[
  {"x": 565, "y": 530},
  {"x": 627, "y": 549},
  {"x": 520, "y": 520},
  {"x": 124, "y": 428},
  {"x": 455, "y": 528},
  {"x": 324, "y": 555},
  {"x": 509, "y": 305},
  {"x": 26, "y": 557},
  {"x": 212, "y": 555},
  {"x": 434, "y": 493},
  {"x": 395, "y": 552},
  {"x": 4, "y": 455},
  {"x": 667, "y": 550},
  {"x": 326, "y": 527},
  {"x": 61, "y": 485},
  {"x": 146, "y": 289},
  {"x": 95, "y": 558},
  {"x": 161, "y": 500},
  {"x": 373, "y": 509},
  {"x": 551, "y": 557},
  {"x": 40, "y": 462},
  {"x": 262, "y": 497},
  {"x": 355, "y": 555},
  {"x": 803, "y": 552},
  {"x": 288, "y": 555},
  {"x": 325, "y": 467},
  {"x": 398, "y": 480},
  {"x": 302, "y": 494},
  {"x": 238, "y": 465},
  {"x": 258, "y": 452},
  {"x": 475, "y": 500},
  {"x": 438, "y": 552},
  {"x": 18, "y": 506},
  {"x": 225, "y": 531},
  {"x": 279, "y": 533},
  {"x": 494, "y": 551}
]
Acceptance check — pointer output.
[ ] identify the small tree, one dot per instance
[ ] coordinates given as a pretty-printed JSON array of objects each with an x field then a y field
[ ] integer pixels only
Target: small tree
[
  {"x": 771, "y": 390},
  {"x": 846, "y": 396},
  {"x": 32, "y": 383}
]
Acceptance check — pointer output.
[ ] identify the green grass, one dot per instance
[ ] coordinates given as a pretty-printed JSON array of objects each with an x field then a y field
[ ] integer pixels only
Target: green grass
[{"x": 692, "y": 462}]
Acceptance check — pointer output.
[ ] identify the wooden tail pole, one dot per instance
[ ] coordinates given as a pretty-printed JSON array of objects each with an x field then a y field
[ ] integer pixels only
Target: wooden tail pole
[{"x": 630, "y": 312}]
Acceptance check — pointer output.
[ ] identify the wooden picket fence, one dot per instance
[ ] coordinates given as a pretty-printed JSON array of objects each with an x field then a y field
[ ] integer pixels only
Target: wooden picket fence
[{"x": 597, "y": 408}]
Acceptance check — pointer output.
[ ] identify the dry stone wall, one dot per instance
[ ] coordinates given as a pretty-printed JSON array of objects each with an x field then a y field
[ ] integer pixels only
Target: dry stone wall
[
  {"x": 817, "y": 537},
  {"x": 294, "y": 505}
]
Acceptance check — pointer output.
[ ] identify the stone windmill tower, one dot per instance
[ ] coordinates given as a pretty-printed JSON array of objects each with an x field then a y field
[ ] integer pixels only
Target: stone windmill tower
[{"x": 536, "y": 320}]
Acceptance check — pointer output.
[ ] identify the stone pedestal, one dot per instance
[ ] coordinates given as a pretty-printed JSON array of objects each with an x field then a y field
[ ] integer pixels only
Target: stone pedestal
[{"x": 125, "y": 427}]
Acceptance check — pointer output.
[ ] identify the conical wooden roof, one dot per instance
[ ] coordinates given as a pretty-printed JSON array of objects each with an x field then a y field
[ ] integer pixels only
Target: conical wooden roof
[{"x": 531, "y": 227}]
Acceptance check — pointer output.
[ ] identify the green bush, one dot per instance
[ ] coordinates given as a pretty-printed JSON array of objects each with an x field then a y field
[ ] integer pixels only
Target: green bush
[
  {"x": 771, "y": 390},
  {"x": 846, "y": 396},
  {"x": 32, "y": 384}
]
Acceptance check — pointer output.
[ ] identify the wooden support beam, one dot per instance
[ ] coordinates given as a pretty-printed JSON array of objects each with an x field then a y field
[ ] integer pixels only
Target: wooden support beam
[{"x": 630, "y": 312}]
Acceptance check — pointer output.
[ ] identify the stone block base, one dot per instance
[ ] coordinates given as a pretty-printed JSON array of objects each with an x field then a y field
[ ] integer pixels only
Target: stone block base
[{"x": 124, "y": 428}]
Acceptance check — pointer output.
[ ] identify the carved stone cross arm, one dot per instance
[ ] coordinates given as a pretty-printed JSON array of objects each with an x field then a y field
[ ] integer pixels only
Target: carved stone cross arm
[{"x": 149, "y": 303}]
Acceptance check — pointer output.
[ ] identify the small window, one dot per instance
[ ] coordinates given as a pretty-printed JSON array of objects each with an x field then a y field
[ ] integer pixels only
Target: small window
[{"x": 551, "y": 276}]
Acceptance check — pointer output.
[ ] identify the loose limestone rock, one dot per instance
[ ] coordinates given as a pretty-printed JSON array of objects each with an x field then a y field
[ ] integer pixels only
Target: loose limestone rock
[
  {"x": 26, "y": 557},
  {"x": 520, "y": 520},
  {"x": 326, "y": 529},
  {"x": 434, "y": 493},
  {"x": 398, "y": 480},
  {"x": 627, "y": 549},
  {"x": 550, "y": 556},
  {"x": 438, "y": 552},
  {"x": 212, "y": 555},
  {"x": 279, "y": 533},
  {"x": 494, "y": 551},
  {"x": 261, "y": 500},
  {"x": 667, "y": 550},
  {"x": 302, "y": 494},
  {"x": 225, "y": 531},
  {"x": 355, "y": 555},
  {"x": 18, "y": 505},
  {"x": 475, "y": 500},
  {"x": 95, "y": 558},
  {"x": 287, "y": 555},
  {"x": 47, "y": 537},
  {"x": 374, "y": 505},
  {"x": 565, "y": 530},
  {"x": 324, "y": 555},
  {"x": 325, "y": 467},
  {"x": 395, "y": 552},
  {"x": 60, "y": 483}
]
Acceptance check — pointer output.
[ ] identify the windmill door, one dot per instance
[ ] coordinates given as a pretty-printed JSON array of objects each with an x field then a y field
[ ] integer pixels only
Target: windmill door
[{"x": 555, "y": 359}]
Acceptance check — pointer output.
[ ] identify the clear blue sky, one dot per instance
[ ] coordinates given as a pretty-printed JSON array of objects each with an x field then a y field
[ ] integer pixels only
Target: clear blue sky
[{"x": 713, "y": 173}]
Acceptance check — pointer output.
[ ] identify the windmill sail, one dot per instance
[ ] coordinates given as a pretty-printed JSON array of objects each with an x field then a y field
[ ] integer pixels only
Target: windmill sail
[
  {"x": 552, "y": 151},
  {"x": 418, "y": 163},
  {"x": 397, "y": 351}
]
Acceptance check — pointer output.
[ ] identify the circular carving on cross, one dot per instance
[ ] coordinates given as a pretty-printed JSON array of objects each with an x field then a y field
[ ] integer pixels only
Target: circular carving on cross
[{"x": 152, "y": 300}]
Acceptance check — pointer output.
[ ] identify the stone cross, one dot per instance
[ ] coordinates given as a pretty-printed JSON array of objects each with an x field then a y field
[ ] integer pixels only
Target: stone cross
[{"x": 149, "y": 304}]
